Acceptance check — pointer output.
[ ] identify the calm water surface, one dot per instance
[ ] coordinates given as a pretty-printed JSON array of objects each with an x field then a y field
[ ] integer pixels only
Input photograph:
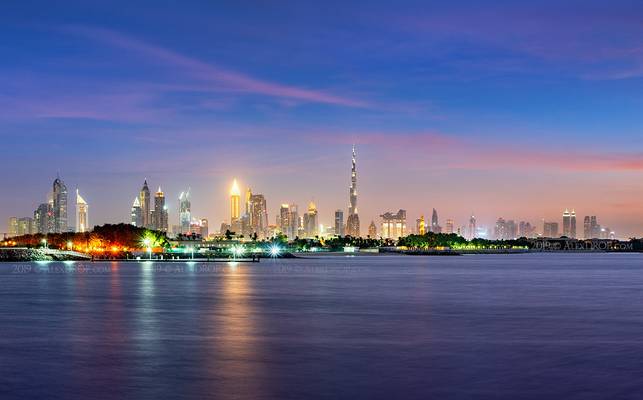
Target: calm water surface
[{"x": 503, "y": 327}]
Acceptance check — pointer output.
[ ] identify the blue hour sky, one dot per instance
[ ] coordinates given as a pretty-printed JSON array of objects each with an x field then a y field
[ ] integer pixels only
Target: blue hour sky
[{"x": 505, "y": 109}]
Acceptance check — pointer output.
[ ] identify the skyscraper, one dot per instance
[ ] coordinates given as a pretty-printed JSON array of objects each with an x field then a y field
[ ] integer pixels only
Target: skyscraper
[
  {"x": 550, "y": 230},
  {"x": 235, "y": 198},
  {"x": 352, "y": 224},
  {"x": 60, "y": 206},
  {"x": 587, "y": 228},
  {"x": 82, "y": 214},
  {"x": 472, "y": 228},
  {"x": 449, "y": 227},
  {"x": 311, "y": 225},
  {"x": 569, "y": 223},
  {"x": 185, "y": 215},
  {"x": 258, "y": 215},
  {"x": 435, "y": 225},
  {"x": 137, "y": 213},
  {"x": 289, "y": 220},
  {"x": 372, "y": 230},
  {"x": 421, "y": 226},
  {"x": 159, "y": 215},
  {"x": 393, "y": 225},
  {"x": 43, "y": 218},
  {"x": 144, "y": 200},
  {"x": 573, "y": 225},
  {"x": 339, "y": 223}
]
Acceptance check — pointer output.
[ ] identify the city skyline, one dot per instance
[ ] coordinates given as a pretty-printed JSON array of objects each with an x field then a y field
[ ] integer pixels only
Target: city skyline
[{"x": 463, "y": 109}]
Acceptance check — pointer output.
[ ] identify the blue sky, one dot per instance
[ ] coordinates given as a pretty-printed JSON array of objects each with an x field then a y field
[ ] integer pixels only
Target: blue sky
[{"x": 512, "y": 109}]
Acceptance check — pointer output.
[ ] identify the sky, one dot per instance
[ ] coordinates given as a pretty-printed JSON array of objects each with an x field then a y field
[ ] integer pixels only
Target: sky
[{"x": 498, "y": 108}]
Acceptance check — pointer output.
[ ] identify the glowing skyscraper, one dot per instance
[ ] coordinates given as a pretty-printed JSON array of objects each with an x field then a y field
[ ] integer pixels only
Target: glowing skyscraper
[
  {"x": 235, "y": 197},
  {"x": 352, "y": 223},
  {"x": 136, "y": 213},
  {"x": 60, "y": 206},
  {"x": 82, "y": 214},
  {"x": 185, "y": 215},
  {"x": 146, "y": 212}
]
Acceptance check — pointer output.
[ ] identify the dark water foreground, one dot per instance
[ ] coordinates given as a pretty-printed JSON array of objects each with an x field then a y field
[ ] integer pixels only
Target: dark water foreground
[{"x": 529, "y": 326}]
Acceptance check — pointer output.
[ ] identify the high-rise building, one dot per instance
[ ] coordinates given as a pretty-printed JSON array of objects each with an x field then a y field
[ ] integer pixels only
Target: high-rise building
[
  {"x": 137, "y": 213},
  {"x": 82, "y": 214},
  {"x": 550, "y": 230},
  {"x": 525, "y": 229},
  {"x": 420, "y": 227},
  {"x": 310, "y": 222},
  {"x": 160, "y": 215},
  {"x": 372, "y": 230},
  {"x": 12, "y": 225},
  {"x": 569, "y": 223},
  {"x": 435, "y": 224},
  {"x": 587, "y": 228},
  {"x": 43, "y": 218},
  {"x": 352, "y": 224},
  {"x": 235, "y": 198},
  {"x": 258, "y": 215},
  {"x": 289, "y": 220},
  {"x": 500, "y": 230},
  {"x": 146, "y": 211},
  {"x": 393, "y": 225},
  {"x": 60, "y": 206},
  {"x": 185, "y": 213},
  {"x": 449, "y": 226},
  {"x": 592, "y": 228},
  {"x": 472, "y": 229},
  {"x": 339, "y": 222},
  {"x": 21, "y": 226}
]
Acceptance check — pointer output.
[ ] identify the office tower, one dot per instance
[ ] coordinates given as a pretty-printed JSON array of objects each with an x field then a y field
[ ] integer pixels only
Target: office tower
[
  {"x": 435, "y": 225},
  {"x": 595, "y": 228},
  {"x": 248, "y": 197},
  {"x": 289, "y": 220},
  {"x": 43, "y": 216},
  {"x": 352, "y": 224},
  {"x": 393, "y": 225},
  {"x": 144, "y": 202},
  {"x": 569, "y": 223},
  {"x": 472, "y": 228},
  {"x": 159, "y": 215},
  {"x": 310, "y": 221},
  {"x": 550, "y": 230},
  {"x": 420, "y": 226},
  {"x": 339, "y": 222},
  {"x": 136, "y": 213},
  {"x": 525, "y": 229},
  {"x": 82, "y": 214},
  {"x": 204, "y": 228},
  {"x": 235, "y": 197},
  {"x": 258, "y": 213},
  {"x": 500, "y": 230},
  {"x": 12, "y": 225},
  {"x": 60, "y": 206},
  {"x": 372, "y": 230},
  {"x": 587, "y": 228},
  {"x": 185, "y": 213},
  {"x": 449, "y": 226},
  {"x": 511, "y": 230}
]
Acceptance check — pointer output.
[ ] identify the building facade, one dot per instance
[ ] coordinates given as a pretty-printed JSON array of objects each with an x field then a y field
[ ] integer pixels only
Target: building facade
[
  {"x": 82, "y": 214},
  {"x": 352, "y": 223},
  {"x": 60, "y": 206},
  {"x": 393, "y": 225}
]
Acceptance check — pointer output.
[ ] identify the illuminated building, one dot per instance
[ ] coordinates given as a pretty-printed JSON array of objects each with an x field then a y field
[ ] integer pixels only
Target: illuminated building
[
  {"x": 82, "y": 214},
  {"x": 310, "y": 222},
  {"x": 500, "y": 231},
  {"x": 159, "y": 215},
  {"x": 420, "y": 226},
  {"x": 146, "y": 211},
  {"x": 526, "y": 230},
  {"x": 235, "y": 198},
  {"x": 372, "y": 230},
  {"x": 352, "y": 223},
  {"x": 43, "y": 218},
  {"x": 258, "y": 215},
  {"x": 289, "y": 220},
  {"x": 569, "y": 224},
  {"x": 60, "y": 206},
  {"x": 587, "y": 228},
  {"x": 393, "y": 225},
  {"x": 435, "y": 226},
  {"x": 185, "y": 214},
  {"x": 472, "y": 230},
  {"x": 339, "y": 223},
  {"x": 12, "y": 224},
  {"x": 449, "y": 226},
  {"x": 136, "y": 213},
  {"x": 591, "y": 228},
  {"x": 550, "y": 230}
]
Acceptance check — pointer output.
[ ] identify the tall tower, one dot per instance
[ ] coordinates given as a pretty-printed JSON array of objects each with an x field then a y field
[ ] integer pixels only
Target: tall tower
[
  {"x": 572, "y": 230},
  {"x": 235, "y": 197},
  {"x": 82, "y": 214},
  {"x": 472, "y": 227},
  {"x": 311, "y": 227},
  {"x": 144, "y": 200},
  {"x": 421, "y": 228},
  {"x": 185, "y": 216},
  {"x": 435, "y": 226},
  {"x": 567, "y": 223},
  {"x": 60, "y": 206},
  {"x": 136, "y": 213},
  {"x": 159, "y": 219},
  {"x": 352, "y": 223}
]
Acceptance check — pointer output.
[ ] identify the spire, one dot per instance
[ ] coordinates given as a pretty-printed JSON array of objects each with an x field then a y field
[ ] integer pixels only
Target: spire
[
  {"x": 136, "y": 203},
  {"x": 234, "y": 191},
  {"x": 79, "y": 199}
]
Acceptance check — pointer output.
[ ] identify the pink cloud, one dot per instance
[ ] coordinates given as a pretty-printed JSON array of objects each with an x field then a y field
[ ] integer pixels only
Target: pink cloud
[{"x": 208, "y": 72}]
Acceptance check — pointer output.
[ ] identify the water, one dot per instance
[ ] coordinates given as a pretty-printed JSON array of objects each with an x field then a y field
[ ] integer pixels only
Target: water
[{"x": 523, "y": 326}]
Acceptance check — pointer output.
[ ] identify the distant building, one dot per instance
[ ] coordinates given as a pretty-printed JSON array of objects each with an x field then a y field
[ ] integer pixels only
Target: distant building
[
  {"x": 352, "y": 224},
  {"x": 289, "y": 220},
  {"x": 525, "y": 229},
  {"x": 435, "y": 225},
  {"x": 372, "y": 230},
  {"x": 144, "y": 202},
  {"x": 393, "y": 225},
  {"x": 449, "y": 226},
  {"x": 310, "y": 221},
  {"x": 420, "y": 226},
  {"x": 472, "y": 229},
  {"x": 25, "y": 226},
  {"x": 339, "y": 223},
  {"x": 569, "y": 223},
  {"x": 43, "y": 218},
  {"x": 258, "y": 213},
  {"x": 82, "y": 214},
  {"x": 136, "y": 213},
  {"x": 12, "y": 225},
  {"x": 235, "y": 198},
  {"x": 185, "y": 212},
  {"x": 500, "y": 230},
  {"x": 60, "y": 206},
  {"x": 550, "y": 230},
  {"x": 160, "y": 215}
]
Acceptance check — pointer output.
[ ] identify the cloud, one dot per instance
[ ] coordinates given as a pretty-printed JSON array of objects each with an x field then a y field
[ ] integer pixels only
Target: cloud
[{"x": 208, "y": 72}]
